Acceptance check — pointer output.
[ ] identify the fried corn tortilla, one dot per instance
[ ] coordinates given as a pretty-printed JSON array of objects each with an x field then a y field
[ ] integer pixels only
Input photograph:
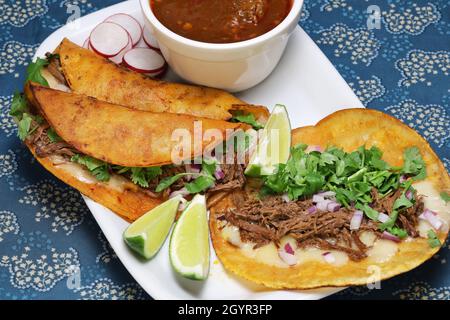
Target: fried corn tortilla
[
  {"x": 120, "y": 135},
  {"x": 348, "y": 129},
  {"x": 92, "y": 75}
]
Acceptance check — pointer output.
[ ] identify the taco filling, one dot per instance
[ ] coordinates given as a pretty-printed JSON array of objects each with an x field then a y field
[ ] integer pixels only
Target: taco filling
[{"x": 334, "y": 201}]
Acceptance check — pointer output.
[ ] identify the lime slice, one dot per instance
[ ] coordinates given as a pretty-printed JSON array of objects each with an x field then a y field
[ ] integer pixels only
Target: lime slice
[
  {"x": 274, "y": 145},
  {"x": 146, "y": 235},
  {"x": 189, "y": 243}
]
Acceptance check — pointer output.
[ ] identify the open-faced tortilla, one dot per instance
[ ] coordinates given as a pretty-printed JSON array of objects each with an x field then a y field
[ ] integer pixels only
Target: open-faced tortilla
[
  {"x": 87, "y": 73},
  {"x": 348, "y": 129},
  {"x": 120, "y": 135}
]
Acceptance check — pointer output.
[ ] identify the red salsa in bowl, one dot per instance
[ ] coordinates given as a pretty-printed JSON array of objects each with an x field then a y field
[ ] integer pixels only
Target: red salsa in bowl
[{"x": 220, "y": 21}]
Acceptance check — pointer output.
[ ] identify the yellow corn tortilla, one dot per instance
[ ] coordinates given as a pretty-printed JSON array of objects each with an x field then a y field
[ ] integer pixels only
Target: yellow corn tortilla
[
  {"x": 128, "y": 201},
  {"x": 348, "y": 129},
  {"x": 88, "y": 73},
  {"x": 120, "y": 135}
]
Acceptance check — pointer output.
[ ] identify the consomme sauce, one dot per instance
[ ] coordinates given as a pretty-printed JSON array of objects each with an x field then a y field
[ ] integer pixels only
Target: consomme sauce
[{"x": 221, "y": 21}]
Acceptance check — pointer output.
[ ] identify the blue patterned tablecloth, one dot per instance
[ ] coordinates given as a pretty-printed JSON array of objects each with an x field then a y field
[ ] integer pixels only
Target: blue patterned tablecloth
[{"x": 401, "y": 68}]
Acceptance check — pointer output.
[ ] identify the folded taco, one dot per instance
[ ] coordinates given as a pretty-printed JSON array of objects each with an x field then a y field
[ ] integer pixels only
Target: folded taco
[
  {"x": 361, "y": 199},
  {"x": 87, "y": 73},
  {"x": 118, "y": 156}
]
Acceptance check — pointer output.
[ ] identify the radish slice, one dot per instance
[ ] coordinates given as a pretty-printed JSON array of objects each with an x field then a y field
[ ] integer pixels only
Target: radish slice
[
  {"x": 86, "y": 44},
  {"x": 150, "y": 39},
  {"x": 129, "y": 23},
  {"x": 108, "y": 39},
  {"x": 119, "y": 58},
  {"x": 144, "y": 60}
]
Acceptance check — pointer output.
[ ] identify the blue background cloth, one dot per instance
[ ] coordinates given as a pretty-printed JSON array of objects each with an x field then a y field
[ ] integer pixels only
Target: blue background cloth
[{"x": 45, "y": 227}]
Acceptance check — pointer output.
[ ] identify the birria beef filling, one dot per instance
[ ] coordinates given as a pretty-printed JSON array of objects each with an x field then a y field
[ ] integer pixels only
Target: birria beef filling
[{"x": 272, "y": 218}]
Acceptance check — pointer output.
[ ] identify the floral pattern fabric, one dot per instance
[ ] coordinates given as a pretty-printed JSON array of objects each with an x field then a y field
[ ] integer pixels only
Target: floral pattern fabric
[{"x": 52, "y": 248}]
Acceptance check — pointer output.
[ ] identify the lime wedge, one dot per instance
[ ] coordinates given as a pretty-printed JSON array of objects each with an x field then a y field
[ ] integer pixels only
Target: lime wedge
[
  {"x": 146, "y": 235},
  {"x": 274, "y": 145},
  {"x": 189, "y": 243}
]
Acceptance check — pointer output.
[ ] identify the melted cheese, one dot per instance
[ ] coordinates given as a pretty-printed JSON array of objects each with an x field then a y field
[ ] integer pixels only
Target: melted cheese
[
  {"x": 80, "y": 173},
  {"x": 268, "y": 254}
]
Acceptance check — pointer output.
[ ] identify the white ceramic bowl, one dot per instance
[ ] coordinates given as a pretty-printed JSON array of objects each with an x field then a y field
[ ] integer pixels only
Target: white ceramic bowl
[{"x": 231, "y": 66}]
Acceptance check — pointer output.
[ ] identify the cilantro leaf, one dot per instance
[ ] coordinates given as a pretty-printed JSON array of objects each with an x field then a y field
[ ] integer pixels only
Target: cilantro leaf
[
  {"x": 200, "y": 184},
  {"x": 24, "y": 126},
  {"x": 53, "y": 136},
  {"x": 433, "y": 239},
  {"x": 34, "y": 71},
  {"x": 19, "y": 106},
  {"x": 445, "y": 196},
  {"x": 167, "y": 182},
  {"x": 401, "y": 233},
  {"x": 98, "y": 168},
  {"x": 414, "y": 164},
  {"x": 142, "y": 176},
  {"x": 372, "y": 214},
  {"x": 248, "y": 119}
]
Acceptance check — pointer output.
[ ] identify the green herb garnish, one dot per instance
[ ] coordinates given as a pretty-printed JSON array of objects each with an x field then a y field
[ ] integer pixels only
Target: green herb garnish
[
  {"x": 99, "y": 169},
  {"x": 445, "y": 196},
  {"x": 433, "y": 239},
  {"x": 34, "y": 71},
  {"x": 248, "y": 119},
  {"x": 53, "y": 136}
]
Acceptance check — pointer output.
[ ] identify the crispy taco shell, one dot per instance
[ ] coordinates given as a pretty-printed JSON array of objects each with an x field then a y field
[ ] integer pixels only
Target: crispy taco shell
[
  {"x": 92, "y": 75},
  {"x": 124, "y": 198},
  {"x": 120, "y": 135},
  {"x": 348, "y": 129}
]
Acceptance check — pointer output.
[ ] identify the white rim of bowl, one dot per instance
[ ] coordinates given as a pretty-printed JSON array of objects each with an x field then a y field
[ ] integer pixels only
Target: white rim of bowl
[{"x": 295, "y": 11}]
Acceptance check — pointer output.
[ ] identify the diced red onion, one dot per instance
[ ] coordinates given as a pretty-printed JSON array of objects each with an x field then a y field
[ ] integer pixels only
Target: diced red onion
[
  {"x": 333, "y": 206},
  {"x": 382, "y": 217},
  {"x": 285, "y": 198},
  {"x": 432, "y": 218},
  {"x": 219, "y": 174},
  {"x": 323, "y": 205},
  {"x": 329, "y": 257},
  {"x": 356, "y": 220},
  {"x": 316, "y": 198},
  {"x": 312, "y": 209},
  {"x": 314, "y": 148},
  {"x": 288, "y": 258},
  {"x": 183, "y": 192},
  {"x": 389, "y": 236},
  {"x": 288, "y": 248},
  {"x": 402, "y": 179},
  {"x": 193, "y": 168}
]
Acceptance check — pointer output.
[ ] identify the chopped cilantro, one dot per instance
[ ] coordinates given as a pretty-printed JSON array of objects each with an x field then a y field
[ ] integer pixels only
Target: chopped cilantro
[
  {"x": 433, "y": 239},
  {"x": 200, "y": 184},
  {"x": 24, "y": 126},
  {"x": 34, "y": 71},
  {"x": 98, "y": 168},
  {"x": 167, "y": 182},
  {"x": 414, "y": 165},
  {"x": 19, "y": 106},
  {"x": 142, "y": 176},
  {"x": 401, "y": 233},
  {"x": 445, "y": 196},
  {"x": 53, "y": 136},
  {"x": 248, "y": 119}
]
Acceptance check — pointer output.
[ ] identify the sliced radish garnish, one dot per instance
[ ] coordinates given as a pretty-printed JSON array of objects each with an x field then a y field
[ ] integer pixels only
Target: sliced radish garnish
[
  {"x": 144, "y": 60},
  {"x": 150, "y": 39},
  {"x": 86, "y": 44},
  {"x": 119, "y": 57},
  {"x": 129, "y": 23},
  {"x": 108, "y": 39}
]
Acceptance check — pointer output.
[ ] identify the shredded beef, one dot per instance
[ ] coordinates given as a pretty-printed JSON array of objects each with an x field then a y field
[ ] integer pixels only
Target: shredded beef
[
  {"x": 44, "y": 147},
  {"x": 270, "y": 219},
  {"x": 54, "y": 67},
  {"x": 234, "y": 178}
]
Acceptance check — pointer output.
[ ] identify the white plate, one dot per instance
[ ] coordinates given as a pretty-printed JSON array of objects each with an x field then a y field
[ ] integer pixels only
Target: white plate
[{"x": 311, "y": 88}]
